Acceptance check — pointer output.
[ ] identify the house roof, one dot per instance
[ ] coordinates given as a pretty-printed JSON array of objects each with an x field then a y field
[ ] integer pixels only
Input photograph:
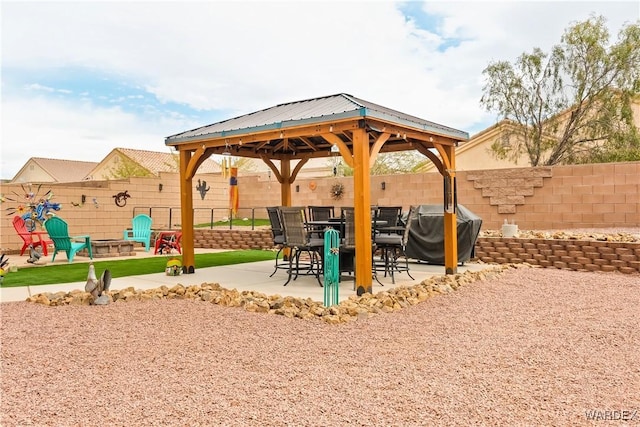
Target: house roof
[
  {"x": 61, "y": 170},
  {"x": 278, "y": 131},
  {"x": 156, "y": 162}
]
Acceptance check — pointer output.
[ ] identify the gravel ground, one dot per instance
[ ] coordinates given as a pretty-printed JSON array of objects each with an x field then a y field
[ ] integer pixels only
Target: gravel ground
[{"x": 529, "y": 347}]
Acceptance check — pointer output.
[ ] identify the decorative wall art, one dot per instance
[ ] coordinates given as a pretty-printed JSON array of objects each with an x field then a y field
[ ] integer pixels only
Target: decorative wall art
[
  {"x": 121, "y": 198},
  {"x": 337, "y": 191},
  {"x": 202, "y": 188}
]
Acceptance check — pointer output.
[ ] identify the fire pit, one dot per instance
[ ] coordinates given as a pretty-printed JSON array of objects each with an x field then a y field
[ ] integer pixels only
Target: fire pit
[{"x": 104, "y": 248}]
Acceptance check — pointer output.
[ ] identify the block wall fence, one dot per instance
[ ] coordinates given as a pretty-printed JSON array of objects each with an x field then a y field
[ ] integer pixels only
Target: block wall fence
[{"x": 544, "y": 198}]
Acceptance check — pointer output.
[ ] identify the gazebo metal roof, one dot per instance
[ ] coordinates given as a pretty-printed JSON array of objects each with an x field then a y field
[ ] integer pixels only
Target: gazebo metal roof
[
  {"x": 278, "y": 124},
  {"x": 311, "y": 111}
]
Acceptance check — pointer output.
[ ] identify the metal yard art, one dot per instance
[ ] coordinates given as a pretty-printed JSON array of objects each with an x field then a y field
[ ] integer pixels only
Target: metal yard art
[
  {"x": 33, "y": 208},
  {"x": 331, "y": 267}
]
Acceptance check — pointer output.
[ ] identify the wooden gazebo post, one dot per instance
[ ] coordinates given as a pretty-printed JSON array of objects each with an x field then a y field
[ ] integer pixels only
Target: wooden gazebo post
[
  {"x": 186, "y": 213},
  {"x": 362, "y": 211},
  {"x": 449, "y": 206},
  {"x": 285, "y": 182}
]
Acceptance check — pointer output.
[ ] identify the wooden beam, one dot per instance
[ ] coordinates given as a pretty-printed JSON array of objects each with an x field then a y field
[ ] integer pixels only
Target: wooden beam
[
  {"x": 362, "y": 211},
  {"x": 450, "y": 219},
  {"x": 273, "y": 167},
  {"x": 308, "y": 143},
  {"x": 285, "y": 183},
  {"x": 186, "y": 214},
  {"x": 444, "y": 155},
  {"x": 293, "y": 132},
  {"x": 431, "y": 156},
  {"x": 375, "y": 148},
  {"x": 195, "y": 162},
  {"x": 344, "y": 150},
  {"x": 299, "y": 166}
]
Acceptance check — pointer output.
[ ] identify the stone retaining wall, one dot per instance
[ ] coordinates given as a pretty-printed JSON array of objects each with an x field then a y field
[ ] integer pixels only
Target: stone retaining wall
[
  {"x": 232, "y": 239},
  {"x": 580, "y": 255}
]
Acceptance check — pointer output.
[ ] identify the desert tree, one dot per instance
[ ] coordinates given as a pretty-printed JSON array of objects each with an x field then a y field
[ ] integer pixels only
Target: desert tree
[{"x": 572, "y": 105}]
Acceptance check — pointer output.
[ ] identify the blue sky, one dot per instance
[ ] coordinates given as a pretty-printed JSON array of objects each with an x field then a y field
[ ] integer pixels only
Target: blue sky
[{"x": 82, "y": 78}]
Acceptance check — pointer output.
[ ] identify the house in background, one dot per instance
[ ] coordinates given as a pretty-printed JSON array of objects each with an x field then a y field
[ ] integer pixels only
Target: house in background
[
  {"x": 130, "y": 162},
  {"x": 476, "y": 154},
  {"x": 38, "y": 169}
]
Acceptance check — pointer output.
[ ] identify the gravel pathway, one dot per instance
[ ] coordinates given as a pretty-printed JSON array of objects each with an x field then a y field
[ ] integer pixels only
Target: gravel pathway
[{"x": 530, "y": 347}]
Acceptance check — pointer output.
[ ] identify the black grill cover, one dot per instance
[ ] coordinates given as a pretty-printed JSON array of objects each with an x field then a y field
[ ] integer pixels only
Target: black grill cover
[{"x": 426, "y": 236}]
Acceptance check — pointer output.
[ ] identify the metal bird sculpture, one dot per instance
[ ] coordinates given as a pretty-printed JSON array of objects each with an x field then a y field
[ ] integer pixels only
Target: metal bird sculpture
[
  {"x": 105, "y": 282},
  {"x": 98, "y": 288},
  {"x": 92, "y": 282},
  {"x": 34, "y": 255}
]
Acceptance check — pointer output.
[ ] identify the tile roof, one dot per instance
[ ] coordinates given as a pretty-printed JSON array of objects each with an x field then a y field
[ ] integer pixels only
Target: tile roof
[
  {"x": 156, "y": 162},
  {"x": 65, "y": 170}
]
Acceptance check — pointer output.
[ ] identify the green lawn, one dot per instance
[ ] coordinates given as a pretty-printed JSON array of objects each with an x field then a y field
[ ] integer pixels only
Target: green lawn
[{"x": 67, "y": 273}]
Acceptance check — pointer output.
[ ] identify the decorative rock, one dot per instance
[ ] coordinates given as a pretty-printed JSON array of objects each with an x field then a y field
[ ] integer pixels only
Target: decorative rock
[
  {"x": 103, "y": 299},
  {"x": 349, "y": 310}
]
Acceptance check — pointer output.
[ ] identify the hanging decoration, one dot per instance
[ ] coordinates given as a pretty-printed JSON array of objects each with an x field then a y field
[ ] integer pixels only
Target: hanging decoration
[
  {"x": 234, "y": 197},
  {"x": 33, "y": 208}
]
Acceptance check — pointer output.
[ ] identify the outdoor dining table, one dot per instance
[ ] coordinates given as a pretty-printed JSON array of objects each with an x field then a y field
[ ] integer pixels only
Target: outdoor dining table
[
  {"x": 333, "y": 222},
  {"x": 347, "y": 260}
]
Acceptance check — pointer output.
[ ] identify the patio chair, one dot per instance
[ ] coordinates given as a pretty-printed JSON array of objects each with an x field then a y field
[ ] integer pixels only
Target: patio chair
[
  {"x": 392, "y": 249},
  {"x": 391, "y": 216},
  {"x": 167, "y": 242},
  {"x": 299, "y": 240},
  {"x": 59, "y": 232},
  {"x": 321, "y": 213},
  {"x": 28, "y": 238},
  {"x": 278, "y": 235},
  {"x": 140, "y": 230}
]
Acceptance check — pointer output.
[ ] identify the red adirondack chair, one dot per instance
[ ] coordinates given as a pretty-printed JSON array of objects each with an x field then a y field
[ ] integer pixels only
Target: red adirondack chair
[{"x": 35, "y": 238}]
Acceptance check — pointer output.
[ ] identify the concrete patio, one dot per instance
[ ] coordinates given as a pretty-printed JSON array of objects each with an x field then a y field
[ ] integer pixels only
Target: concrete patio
[{"x": 243, "y": 277}]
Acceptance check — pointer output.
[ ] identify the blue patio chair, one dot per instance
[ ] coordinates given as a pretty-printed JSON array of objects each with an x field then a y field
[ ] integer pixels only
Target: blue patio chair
[
  {"x": 140, "y": 230},
  {"x": 58, "y": 231}
]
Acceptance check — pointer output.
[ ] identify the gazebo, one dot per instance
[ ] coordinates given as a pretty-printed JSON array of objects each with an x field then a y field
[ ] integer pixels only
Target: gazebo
[{"x": 318, "y": 127}]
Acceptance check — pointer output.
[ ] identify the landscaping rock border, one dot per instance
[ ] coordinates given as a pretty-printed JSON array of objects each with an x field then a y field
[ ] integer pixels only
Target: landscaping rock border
[{"x": 351, "y": 309}]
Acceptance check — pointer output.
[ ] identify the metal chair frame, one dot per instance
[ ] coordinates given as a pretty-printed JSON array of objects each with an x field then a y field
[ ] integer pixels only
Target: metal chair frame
[
  {"x": 392, "y": 249},
  {"x": 299, "y": 240},
  {"x": 277, "y": 233}
]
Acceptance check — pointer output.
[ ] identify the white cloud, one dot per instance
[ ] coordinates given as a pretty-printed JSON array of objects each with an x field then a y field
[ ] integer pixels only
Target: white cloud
[
  {"x": 242, "y": 56},
  {"x": 41, "y": 127}
]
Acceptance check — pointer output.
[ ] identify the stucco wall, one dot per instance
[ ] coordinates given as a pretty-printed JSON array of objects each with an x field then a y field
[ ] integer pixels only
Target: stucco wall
[
  {"x": 102, "y": 219},
  {"x": 560, "y": 197}
]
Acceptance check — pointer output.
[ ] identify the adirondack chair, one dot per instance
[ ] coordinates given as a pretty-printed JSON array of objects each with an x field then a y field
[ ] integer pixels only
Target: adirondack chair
[
  {"x": 59, "y": 232},
  {"x": 35, "y": 238},
  {"x": 140, "y": 230}
]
